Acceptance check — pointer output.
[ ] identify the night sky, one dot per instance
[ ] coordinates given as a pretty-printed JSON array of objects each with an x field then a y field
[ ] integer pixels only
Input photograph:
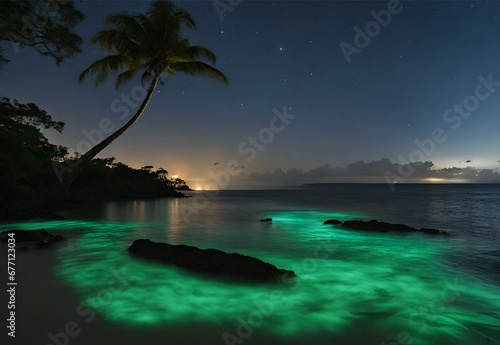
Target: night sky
[{"x": 396, "y": 89}]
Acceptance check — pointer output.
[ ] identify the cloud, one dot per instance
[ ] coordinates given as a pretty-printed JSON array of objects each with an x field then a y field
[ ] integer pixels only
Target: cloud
[{"x": 373, "y": 172}]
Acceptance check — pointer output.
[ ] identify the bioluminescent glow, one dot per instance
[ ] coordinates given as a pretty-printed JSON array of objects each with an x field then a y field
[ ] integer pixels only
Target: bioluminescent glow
[{"x": 394, "y": 282}]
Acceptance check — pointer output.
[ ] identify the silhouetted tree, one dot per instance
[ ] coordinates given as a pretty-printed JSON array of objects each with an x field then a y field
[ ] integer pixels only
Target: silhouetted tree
[
  {"x": 105, "y": 179},
  {"x": 179, "y": 184},
  {"x": 147, "y": 168},
  {"x": 150, "y": 44},
  {"x": 162, "y": 174},
  {"x": 26, "y": 154},
  {"x": 47, "y": 26},
  {"x": 26, "y": 175}
]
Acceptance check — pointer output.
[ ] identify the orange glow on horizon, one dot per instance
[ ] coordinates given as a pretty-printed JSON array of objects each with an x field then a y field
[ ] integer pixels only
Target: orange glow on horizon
[{"x": 443, "y": 180}]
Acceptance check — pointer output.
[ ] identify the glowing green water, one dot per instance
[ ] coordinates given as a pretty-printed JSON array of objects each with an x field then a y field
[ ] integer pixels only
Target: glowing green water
[{"x": 396, "y": 282}]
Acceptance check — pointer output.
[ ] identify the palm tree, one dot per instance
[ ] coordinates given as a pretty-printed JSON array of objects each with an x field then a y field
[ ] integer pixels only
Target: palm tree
[{"x": 150, "y": 43}]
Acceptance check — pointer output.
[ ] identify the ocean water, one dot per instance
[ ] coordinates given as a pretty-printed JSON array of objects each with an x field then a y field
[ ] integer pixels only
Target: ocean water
[{"x": 353, "y": 287}]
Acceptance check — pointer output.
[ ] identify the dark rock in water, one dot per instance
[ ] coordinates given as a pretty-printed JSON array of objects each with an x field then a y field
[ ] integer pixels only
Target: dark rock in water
[
  {"x": 374, "y": 225},
  {"x": 333, "y": 222},
  {"x": 32, "y": 238},
  {"x": 266, "y": 220},
  {"x": 210, "y": 261}
]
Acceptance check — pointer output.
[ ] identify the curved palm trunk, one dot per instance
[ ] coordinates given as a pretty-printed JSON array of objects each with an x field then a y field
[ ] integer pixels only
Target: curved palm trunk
[{"x": 87, "y": 157}]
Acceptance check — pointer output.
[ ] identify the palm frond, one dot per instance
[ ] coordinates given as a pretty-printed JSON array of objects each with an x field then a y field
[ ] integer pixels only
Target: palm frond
[
  {"x": 102, "y": 68},
  {"x": 185, "y": 18},
  {"x": 125, "y": 77},
  {"x": 196, "y": 52},
  {"x": 150, "y": 43},
  {"x": 200, "y": 68}
]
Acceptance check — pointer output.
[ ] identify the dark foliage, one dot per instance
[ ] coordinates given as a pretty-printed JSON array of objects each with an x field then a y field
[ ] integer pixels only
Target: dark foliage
[
  {"x": 179, "y": 184},
  {"x": 46, "y": 26},
  {"x": 26, "y": 154},
  {"x": 28, "y": 179},
  {"x": 105, "y": 179}
]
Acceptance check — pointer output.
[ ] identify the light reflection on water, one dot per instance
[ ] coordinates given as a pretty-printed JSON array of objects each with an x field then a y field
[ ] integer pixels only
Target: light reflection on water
[{"x": 390, "y": 283}]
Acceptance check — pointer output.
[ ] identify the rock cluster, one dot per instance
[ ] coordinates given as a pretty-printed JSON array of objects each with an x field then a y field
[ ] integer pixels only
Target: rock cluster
[
  {"x": 374, "y": 225},
  {"x": 210, "y": 261}
]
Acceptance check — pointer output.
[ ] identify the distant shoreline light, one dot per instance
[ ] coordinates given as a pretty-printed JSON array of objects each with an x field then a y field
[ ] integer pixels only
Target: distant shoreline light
[
  {"x": 442, "y": 180},
  {"x": 204, "y": 188}
]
